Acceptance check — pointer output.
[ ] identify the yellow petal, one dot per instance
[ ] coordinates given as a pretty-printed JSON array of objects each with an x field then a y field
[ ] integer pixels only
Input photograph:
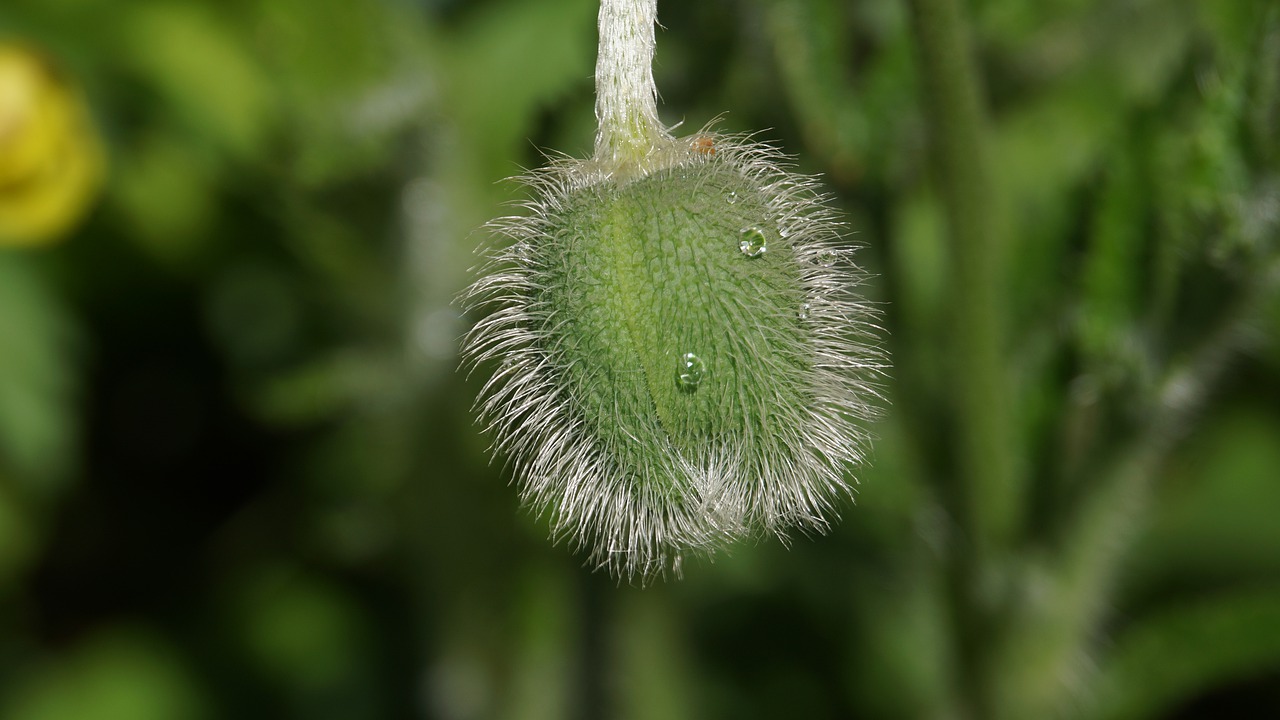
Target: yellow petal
[{"x": 51, "y": 159}]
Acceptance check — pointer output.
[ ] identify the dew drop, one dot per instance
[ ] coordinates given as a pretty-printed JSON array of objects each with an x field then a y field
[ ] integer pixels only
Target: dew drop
[
  {"x": 731, "y": 197},
  {"x": 826, "y": 258},
  {"x": 689, "y": 372},
  {"x": 804, "y": 311},
  {"x": 753, "y": 243}
]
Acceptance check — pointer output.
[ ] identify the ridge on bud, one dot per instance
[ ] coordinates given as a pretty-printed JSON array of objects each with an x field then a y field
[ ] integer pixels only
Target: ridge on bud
[{"x": 680, "y": 357}]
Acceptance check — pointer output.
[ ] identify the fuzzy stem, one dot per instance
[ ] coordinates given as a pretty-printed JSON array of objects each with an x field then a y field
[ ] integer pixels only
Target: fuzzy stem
[{"x": 626, "y": 97}]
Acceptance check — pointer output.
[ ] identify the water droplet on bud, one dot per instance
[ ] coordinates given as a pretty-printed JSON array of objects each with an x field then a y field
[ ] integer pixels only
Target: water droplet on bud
[
  {"x": 753, "y": 243},
  {"x": 689, "y": 372}
]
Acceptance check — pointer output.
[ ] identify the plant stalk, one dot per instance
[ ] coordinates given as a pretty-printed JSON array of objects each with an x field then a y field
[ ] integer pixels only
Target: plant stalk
[
  {"x": 626, "y": 96},
  {"x": 959, "y": 147},
  {"x": 990, "y": 495}
]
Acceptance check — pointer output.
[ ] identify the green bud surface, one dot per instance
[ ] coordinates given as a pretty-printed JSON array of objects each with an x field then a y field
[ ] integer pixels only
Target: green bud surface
[{"x": 681, "y": 360}]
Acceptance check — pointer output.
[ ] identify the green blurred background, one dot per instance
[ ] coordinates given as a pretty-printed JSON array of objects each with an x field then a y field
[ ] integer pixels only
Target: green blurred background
[{"x": 238, "y": 473}]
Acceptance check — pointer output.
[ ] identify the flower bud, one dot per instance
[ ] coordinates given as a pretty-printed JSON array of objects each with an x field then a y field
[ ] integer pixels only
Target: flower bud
[{"x": 680, "y": 357}]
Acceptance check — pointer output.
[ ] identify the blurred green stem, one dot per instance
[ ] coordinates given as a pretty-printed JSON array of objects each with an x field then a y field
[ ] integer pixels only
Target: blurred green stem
[
  {"x": 980, "y": 400},
  {"x": 1047, "y": 639},
  {"x": 1092, "y": 545},
  {"x": 990, "y": 499}
]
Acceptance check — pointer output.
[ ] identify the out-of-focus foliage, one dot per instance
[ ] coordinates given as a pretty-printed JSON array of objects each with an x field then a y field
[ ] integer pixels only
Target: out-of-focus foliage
[{"x": 239, "y": 478}]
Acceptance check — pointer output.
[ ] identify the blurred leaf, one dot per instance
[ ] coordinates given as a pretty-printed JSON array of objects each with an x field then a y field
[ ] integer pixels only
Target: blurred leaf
[
  {"x": 1264, "y": 101},
  {"x": 303, "y": 632},
  {"x": 1216, "y": 515},
  {"x": 324, "y": 50},
  {"x": 906, "y": 652},
  {"x": 255, "y": 311},
  {"x": 329, "y": 386},
  {"x": 653, "y": 679},
  {"x": 1122, "y": 61},
  {"x": 204, "y": 72},
  {"x": 921, "y": 260},
  {"x": 855, "y": 121},
  {"x": 1178, "y": 652},
  {"x": 1113, "y": 271},
  {"x": 811, "y": 44},
  {"x": 1100, "y": 72},
  {"x": 18, "y": 543},
  {"x": 496, "y": 86},
  {"x": 120, "y": 674},
  {"x": 37, "y": 379},
  {"x": 543, "y": 652},
  {"x": 344, "y": 79},
  {"x": 164, "y": 189}
]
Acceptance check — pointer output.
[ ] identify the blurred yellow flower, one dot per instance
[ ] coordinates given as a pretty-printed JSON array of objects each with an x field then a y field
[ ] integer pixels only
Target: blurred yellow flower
[{"x": 51, "y": 159}]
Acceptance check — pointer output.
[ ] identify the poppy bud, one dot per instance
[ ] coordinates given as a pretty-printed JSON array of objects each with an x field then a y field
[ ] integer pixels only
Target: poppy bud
[{"x": 680, "y": 355}]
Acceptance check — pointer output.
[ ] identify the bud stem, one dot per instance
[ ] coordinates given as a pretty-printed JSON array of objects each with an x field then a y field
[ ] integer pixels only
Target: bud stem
[{"x": 626, "y": 97}]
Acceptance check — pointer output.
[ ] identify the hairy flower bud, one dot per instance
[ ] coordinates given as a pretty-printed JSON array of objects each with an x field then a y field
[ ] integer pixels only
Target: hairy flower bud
[{"x": 680, "y": 354}]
